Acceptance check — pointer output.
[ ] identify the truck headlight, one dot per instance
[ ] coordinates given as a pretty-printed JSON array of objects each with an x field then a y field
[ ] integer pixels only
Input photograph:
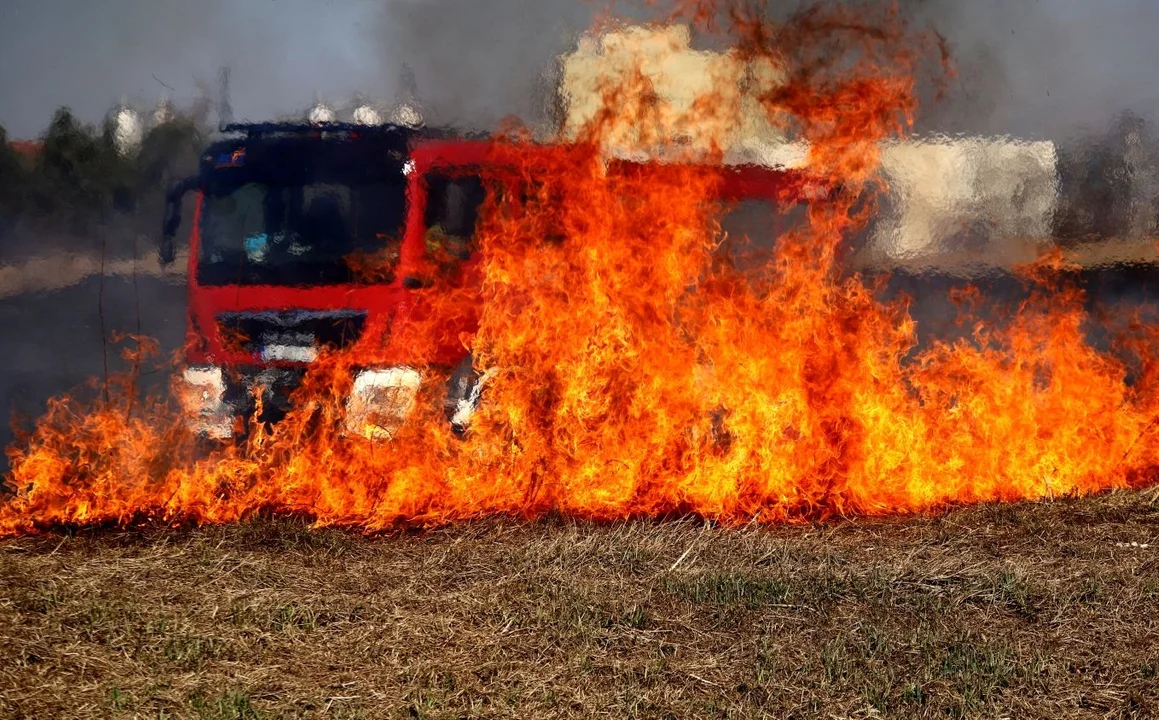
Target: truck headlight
[
  {"x": 202, "y": 397},
  {"x": 381, "y": 401}
]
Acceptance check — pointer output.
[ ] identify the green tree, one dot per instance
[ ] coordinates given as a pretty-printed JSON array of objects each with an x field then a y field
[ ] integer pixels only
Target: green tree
[
  {"x": 169, "y": 152},
  {"x": 78, "y": 172},
  {"x": 66, "y": 168},
  {"x": 117, "y": 173}
]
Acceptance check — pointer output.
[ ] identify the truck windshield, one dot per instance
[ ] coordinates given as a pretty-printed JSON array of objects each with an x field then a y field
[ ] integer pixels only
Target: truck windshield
[{"x": 300, "y": 234}]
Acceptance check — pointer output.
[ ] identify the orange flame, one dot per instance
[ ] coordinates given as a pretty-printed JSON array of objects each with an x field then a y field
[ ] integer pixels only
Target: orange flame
[{"x": 634, "y": 372}]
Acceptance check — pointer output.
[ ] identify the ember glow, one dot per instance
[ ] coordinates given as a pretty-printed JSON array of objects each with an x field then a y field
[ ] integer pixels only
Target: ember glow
[{"x": 640, "y": 363}]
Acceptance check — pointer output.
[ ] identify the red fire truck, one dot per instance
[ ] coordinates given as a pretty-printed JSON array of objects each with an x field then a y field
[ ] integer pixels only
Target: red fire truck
[{"x": 280, "y": 210}]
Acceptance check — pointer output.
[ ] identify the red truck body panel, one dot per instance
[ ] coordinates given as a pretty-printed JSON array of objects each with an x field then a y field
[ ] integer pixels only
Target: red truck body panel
[
  {"x": 383, "y": 302},
  {"x": 387, "y": 305}
]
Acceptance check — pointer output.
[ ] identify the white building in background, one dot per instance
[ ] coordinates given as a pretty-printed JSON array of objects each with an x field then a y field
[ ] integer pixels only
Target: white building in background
[
  {"x": 129, "y": 125},
  {"x": 681, "y": 79},
  {"x": 973, "y": 198},
  {"x": 164, "y": 111},
  {"x": 128, "y": 129}
]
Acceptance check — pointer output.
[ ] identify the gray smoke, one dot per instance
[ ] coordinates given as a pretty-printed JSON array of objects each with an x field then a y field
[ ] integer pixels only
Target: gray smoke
[
  {"x": 477, "y": 62},
  {"x": 1036, "y": 69},
  {"x": 88, "y": 55},
  {"x": 1044, "y": 69}
]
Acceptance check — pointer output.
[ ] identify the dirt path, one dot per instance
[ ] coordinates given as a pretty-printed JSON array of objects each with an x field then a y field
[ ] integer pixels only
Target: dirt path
[{"x": 56, "y": 272}]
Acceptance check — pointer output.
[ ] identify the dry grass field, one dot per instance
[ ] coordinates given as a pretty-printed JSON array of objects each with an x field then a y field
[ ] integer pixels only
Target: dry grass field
[{"x": 1035, "y": 610}]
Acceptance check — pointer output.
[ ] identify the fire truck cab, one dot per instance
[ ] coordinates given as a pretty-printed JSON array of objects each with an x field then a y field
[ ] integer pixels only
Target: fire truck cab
[{"x": 280, "y": 211}]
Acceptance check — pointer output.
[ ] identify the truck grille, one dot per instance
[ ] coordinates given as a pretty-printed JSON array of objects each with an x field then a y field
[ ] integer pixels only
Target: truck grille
[{"x": 295, "y": 335}]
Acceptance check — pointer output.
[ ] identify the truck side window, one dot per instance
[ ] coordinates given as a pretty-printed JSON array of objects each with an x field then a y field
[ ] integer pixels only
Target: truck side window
[
  {"x": 750, "y": 228},
  {"x": 452, "y": 213}
]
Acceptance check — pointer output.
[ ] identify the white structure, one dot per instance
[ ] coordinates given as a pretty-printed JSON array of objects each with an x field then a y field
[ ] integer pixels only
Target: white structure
[
  {"x": 960, "y": 196},
  {"x": 128, "y": 130},
  {"x": 164, "y": 112},
  {"x": 945, "y": 195},
  {"x": 680, "y": 78}
]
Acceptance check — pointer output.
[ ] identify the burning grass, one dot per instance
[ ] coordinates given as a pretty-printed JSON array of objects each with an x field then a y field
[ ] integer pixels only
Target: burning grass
[
  {"x": 635, "y": 370},
  {"x": 1028, "y": 610},
  {"x": 634, "y": 375}
]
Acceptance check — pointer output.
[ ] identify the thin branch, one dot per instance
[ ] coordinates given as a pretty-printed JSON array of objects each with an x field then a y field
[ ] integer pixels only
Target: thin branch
[{"x": 163, "y": 84}]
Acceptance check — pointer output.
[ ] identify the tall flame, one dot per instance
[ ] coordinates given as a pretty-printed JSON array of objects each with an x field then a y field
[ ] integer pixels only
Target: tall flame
[{"x": 634, "y": 371}]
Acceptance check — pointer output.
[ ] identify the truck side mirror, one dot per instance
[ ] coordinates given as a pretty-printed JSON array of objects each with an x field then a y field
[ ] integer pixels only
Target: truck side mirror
[{"x": 166, "y": 252}]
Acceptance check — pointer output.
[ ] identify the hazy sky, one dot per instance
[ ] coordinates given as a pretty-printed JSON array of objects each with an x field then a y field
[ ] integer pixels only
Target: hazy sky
[{"x": 1029, "y": 68}]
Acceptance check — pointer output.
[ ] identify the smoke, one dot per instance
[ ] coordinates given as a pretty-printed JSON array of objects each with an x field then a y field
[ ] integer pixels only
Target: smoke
[
  {"x": 476, "y": 62},
  {"x": 1043, "y": 69},
  {"x": 1035, "y": 70},
  {"x": 89, "y": 55}
]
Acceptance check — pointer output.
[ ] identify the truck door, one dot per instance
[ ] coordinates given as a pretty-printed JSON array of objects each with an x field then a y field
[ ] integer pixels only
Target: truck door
[
  {"x": 451, "y": 222},
  {"x": 443, "y": 275}
]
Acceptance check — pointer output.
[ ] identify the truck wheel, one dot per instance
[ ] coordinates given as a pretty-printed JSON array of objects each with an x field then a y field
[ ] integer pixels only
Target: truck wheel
[{"x": 463, "y": 391}]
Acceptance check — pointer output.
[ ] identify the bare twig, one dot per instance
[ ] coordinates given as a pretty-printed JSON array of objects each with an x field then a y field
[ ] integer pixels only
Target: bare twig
[{"x": 162, "y": 83}]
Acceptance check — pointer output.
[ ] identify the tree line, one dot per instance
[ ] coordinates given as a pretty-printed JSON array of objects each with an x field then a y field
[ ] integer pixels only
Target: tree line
[{"x": 77, "y": 179}]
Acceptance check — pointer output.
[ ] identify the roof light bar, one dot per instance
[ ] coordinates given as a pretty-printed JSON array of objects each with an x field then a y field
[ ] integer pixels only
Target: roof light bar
[{"x": 305, "y": 128}]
